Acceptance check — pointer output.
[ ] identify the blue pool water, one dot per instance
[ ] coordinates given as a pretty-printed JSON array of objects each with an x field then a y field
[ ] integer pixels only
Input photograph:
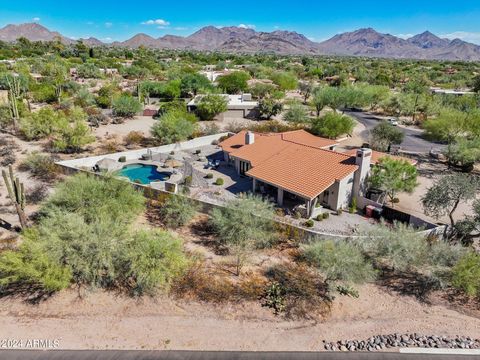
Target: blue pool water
[{"x": 144, "y": 174}]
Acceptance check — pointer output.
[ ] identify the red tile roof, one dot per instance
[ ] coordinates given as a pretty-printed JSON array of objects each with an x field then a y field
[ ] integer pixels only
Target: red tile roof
[{"x": 295, "y": 161}]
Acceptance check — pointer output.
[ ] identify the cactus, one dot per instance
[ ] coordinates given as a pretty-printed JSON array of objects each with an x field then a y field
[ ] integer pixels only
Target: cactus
[
  {"x": 13, "y": 94},
  {"x": 16, "y": 192}
]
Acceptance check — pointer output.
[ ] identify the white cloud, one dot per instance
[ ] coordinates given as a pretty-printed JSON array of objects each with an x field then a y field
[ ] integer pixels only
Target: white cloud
[
  {"x": 473, "y": 37},
  {"x": 107, "y": 39},
  {"x": 108, "y": 24},
  {"x": 90, "y": 23},
  {"x": 180, "y": 28},
  {"x": 36, "y": 19},
  {"x": 247, "y": 26},
  {"x": 160, "y": 22}
]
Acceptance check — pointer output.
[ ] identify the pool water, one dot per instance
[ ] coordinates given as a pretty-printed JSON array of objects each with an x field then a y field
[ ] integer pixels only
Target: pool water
[{"x": 144, "y": 174}]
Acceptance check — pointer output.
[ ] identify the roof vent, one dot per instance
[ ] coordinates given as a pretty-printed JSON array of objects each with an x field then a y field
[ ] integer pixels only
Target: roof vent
[{"x": 249, "y": 138}]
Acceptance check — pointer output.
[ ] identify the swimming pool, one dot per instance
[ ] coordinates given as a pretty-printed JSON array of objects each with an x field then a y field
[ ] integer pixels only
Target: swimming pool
[{"x": 144, "y": 174}]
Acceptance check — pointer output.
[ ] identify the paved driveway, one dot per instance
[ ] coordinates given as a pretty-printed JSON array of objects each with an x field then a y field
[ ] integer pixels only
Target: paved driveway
[{"x": 413, "y": 140}]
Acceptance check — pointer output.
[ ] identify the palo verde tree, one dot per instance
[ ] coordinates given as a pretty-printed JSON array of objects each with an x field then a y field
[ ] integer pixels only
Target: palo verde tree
[
  {"x": 243, "y": 225},
  {"x": 393, "y": 176},
  {"x": 384, "y": 135}
]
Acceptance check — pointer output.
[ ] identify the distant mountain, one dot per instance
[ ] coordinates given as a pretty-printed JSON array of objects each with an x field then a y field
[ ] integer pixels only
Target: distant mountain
[
  {"x": 31, "y": 31},
  {"x": 363, "y": 42}
]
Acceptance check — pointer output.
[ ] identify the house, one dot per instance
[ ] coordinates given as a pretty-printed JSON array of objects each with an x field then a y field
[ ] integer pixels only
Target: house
[
  {"x": 238, "y": 106},
  {"x": 456, "y": 92},
  {"x": 296, "y": 167}
]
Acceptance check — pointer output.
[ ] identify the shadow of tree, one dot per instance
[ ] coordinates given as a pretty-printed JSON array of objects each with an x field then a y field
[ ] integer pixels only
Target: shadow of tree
[
  {"x": 205, "y": 235},
  {"x": 32, "y": 294},
  {"x": 407, "y": 283}
]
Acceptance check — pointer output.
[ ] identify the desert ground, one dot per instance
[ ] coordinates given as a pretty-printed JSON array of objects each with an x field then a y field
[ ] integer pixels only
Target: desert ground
[{"x": 103, "y": 320}]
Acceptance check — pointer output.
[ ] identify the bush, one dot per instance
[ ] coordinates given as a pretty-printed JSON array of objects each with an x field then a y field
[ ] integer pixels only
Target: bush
[
  {"x": 210, "y": 106},
  {"x": 244, "y": 224},
  {"x": 177, "y": 211},
  {"x": 466, "y": 274},
  {"x": 332, "y": 125},
  {"x": 31, "y": 265},
  {"x": 174, "y": 125},
  {"x": 301, "y": 293},
  {"x": 309, "y": 223},
  {"x": 297, "y": 215},
  {"x": 126, "y": 106},
  {"x": 133, "y": 138},
  {"x": 326, "y": 215},
  {"x": 339, "y": 261},
  {"x": 319, "y": 217},
  {"x": 122, "y": 159},
  {"x": 339, "y": 212},
  {"x": 40, "y": 166},
  {"x": 219, "y": 182},
  {"x": 209, "y": 176},
  {"x": 188, "y": 181},
  {"x": 37, "y": 194}
]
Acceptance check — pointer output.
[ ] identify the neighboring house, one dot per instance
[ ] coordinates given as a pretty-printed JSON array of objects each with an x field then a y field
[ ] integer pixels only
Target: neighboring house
[
  {"x": 237, "y": 106},
  {"x": 450, "y": 92},
  {"x": 150, "y": 110},
  {"x": 297, "y": 167}
]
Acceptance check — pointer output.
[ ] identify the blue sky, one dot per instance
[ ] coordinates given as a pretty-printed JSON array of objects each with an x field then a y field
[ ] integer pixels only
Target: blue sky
[{"x": 118, "y": 20}]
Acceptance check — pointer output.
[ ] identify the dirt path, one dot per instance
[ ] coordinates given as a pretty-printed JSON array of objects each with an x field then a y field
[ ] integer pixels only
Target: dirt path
[{"x": 105, "y": 321}]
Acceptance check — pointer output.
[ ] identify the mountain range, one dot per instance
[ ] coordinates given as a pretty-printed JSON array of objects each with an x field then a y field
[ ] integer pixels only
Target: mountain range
[{"x": 363, "y": 42}]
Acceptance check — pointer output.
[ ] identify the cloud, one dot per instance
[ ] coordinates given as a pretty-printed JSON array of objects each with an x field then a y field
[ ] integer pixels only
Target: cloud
[
  {"x": 108, "y": 24},
  {"x": 473, "y": 37},
  {"x": 180, "y": 28},
  {"x": 36, "y": 19},
  {"x": 90, "y": 23},
  {"x": 107, "y": 39},
  {"x": 160, "y": 22},
  {"x": 247, "y": 26}
]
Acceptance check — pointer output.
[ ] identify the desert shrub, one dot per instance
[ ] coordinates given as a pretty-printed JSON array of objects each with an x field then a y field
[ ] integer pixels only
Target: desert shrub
[
  {"x": 332, "y": 125},
  {"x": 209, "y": 176},
  {"x": 244, "y": 224},
  {"x": 296, "y": 113},
  {"x": 302, "y": 293},
  {"x": 40, "y": 166},
  {"x": 319, "y": 217},
  {"x": 152, "y": 261},
  {"x": 133, "y": 138},
  {"x": 177, "y": 211},
  {"x": 466, "y": 274},
  {"x": 211, "y": 129},
  {"x": 188, "y": 181},
  {"x": 211, "y": 105},
  {"x": 219, "y": 182},
  {"x": 174, "y": 125},
  {"x": 297, "y": 215},
  {"x": 201, "y": 283},
  {"x": 31, "y": 265},
  {"x": 309, "y": 223},
  {"x": 92, "y": 198},
  {"x": 125, "y": 106},
  {"x": 404, "y": 249},
  {"x": 339, "y": 212},
  {"x": 326, "y": 215},
  {"x": 274, "y": 298},
  {"x": 122, "y": 159},
  {"x": 338, "y": 261}
]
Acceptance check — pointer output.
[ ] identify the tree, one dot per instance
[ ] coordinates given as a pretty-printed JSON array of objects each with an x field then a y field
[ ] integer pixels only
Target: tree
[
  {"x": 177, "y": 211},
  {"x": 444, "y": 196},
  {"x": 174, "y": 125},
  {"x": 269, "y": 107},
  {"x": 234, "y": 82},
  {"x": 126, "y": 106},
  {"x": 384, "y": 135},
  {"x": 451, "y": 124},
  {"x": 262, "y": 90},
  {"x": 296, "y": 113},
  {"x": 332, "y": 125},
  {"x": 476, "y": 84},
  {"x": 244, "y": 225},
  {"x": 284, "y": 80},
  {"x": 211, "y": 105},
  {"x": 393, "y": 176},
  {"x": 191, "y": 84},
  {"x": 339, "y": 261},
  {"x": 464, "y": 153},
  {"x": 306, "y": 89}
]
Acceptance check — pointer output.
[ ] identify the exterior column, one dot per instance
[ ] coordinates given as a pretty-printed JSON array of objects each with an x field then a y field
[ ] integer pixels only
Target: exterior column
[
  {"x": 280, "y": 197},
  {"x": 254, "y": 185}
]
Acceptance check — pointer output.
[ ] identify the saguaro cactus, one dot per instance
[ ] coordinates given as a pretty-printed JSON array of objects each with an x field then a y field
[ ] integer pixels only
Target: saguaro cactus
[
  {"x": 13, "y": 94},
  {"x": 16, "y": 192}
]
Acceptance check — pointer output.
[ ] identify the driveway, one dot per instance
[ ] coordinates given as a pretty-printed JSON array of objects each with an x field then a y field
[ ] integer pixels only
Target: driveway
[{"x": 413, "y": 140}]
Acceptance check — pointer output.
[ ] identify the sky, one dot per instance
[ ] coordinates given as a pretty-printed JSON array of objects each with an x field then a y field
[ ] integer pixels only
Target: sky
[{"x": 110, "y": 20}]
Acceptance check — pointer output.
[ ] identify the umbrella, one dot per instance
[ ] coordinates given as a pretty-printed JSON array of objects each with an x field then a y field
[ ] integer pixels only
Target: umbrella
[{"x": 107, "y": 164}]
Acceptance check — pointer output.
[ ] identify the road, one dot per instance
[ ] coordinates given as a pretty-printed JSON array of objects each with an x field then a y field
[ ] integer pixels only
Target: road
[
  {"x": 413, "y": 140},
  {"x": 212, "y": 355}
]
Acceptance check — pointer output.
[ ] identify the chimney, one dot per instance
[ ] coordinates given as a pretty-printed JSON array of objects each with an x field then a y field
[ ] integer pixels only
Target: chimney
[
  {"x": 363, "y": 160},
  {"x": 249, "y": 138}
]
